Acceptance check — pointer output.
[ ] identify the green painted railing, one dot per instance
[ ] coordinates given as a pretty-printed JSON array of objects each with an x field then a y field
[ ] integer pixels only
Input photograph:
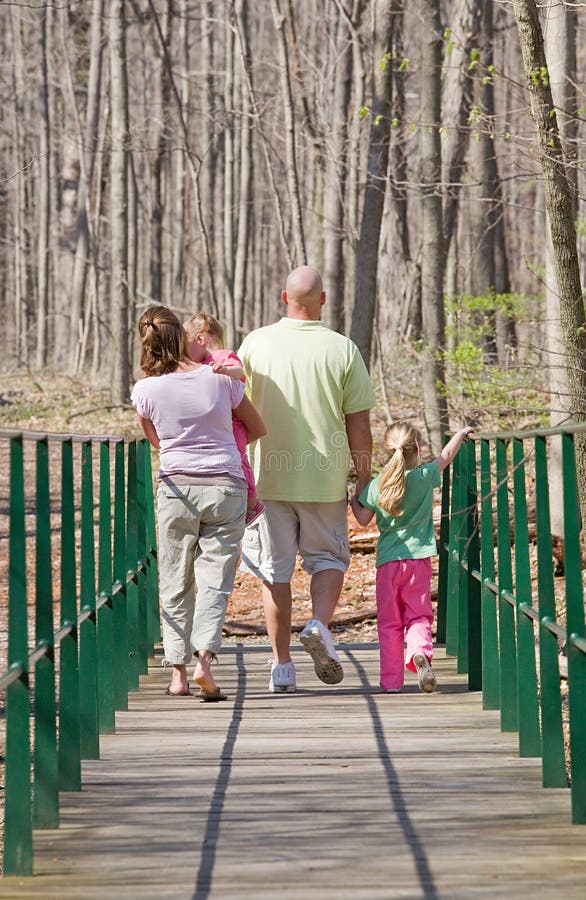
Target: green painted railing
[
  {"x": 500, "y": 617},
  {"x": 92, "y": 628}
]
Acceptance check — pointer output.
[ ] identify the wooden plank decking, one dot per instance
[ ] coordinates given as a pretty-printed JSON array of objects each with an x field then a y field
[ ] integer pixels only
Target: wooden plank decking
[{"x": 339, "y": 792}]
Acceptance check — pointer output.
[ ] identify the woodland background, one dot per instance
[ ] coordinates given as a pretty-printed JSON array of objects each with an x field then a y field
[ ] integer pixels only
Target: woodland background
[{"x": 191, "y": 152}]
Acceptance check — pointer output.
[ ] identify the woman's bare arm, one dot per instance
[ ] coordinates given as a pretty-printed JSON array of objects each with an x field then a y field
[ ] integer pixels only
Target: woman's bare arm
[
  {"x": 150, "y": 432},
  {"x": 255, "y": 427}
]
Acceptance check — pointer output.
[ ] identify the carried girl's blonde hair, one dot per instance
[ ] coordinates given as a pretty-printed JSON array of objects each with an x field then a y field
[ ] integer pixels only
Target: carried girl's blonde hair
[
  {"x": 403, "y": 442},
  {"x": 162, "y": 339},
  {"x": 203, "y": 321}
]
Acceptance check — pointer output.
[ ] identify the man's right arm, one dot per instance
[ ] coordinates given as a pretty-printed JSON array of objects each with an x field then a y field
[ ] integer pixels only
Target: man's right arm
[{"x": 360, "y": 442}]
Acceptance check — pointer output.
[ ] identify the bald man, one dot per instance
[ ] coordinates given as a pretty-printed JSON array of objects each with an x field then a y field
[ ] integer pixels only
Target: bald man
[{"x": 312, "y": 389}]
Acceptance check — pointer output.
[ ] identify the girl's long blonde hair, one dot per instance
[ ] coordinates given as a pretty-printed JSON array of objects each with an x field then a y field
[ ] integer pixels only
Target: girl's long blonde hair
[
  {"x": 163, "y": 343},
  {"x": 403, "y": 442}
]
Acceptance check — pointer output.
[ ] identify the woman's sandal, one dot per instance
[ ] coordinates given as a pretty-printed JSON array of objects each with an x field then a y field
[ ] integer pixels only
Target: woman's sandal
[
  {"x": 211, "y": 696},
  {"x": 171, "y": 693}
]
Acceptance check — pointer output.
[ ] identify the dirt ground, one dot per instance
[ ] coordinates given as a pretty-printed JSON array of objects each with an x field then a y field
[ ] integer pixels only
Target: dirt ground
[{"x": 355, "y": 616}]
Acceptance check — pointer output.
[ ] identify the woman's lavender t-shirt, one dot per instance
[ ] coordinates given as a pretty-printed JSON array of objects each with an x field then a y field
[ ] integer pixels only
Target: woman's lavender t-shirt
[{"x": 192, "y": 415}]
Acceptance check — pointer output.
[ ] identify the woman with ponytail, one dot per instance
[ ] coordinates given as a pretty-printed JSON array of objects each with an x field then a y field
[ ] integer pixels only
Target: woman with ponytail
[
  {"x": 401, "y": 497},
  {"x": 185, "y": 411}
]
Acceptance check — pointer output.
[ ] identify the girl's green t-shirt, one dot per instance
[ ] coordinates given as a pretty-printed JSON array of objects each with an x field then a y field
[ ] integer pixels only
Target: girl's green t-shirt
[{"x": 412, "y": 534}]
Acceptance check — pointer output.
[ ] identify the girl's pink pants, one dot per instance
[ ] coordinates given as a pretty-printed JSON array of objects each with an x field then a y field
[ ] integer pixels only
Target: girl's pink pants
[{"x": 404, "y": 614}]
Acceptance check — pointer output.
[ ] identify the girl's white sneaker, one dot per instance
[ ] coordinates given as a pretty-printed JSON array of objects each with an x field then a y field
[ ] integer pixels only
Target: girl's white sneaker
[{"x": 425, "y": 677}]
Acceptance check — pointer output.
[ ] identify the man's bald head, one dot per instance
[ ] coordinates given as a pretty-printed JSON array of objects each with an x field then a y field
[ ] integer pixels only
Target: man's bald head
[{"x": 304, "y": 293}]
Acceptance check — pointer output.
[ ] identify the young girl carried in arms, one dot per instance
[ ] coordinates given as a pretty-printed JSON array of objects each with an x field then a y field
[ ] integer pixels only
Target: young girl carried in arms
[
  {"x": 401, "y": 497},
  {"x": 205, "y": 344}
]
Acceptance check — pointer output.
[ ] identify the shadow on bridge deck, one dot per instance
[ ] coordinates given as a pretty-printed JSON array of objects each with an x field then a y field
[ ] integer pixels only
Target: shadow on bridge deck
[{"x": 332, "y": 792}]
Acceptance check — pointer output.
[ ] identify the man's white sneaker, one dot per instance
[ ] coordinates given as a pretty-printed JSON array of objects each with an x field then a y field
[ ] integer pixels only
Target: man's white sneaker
[
  {"x": 282, "y": 678},
  {"x": 425, "y": 677},
  {"x": 317, "y": 641}
]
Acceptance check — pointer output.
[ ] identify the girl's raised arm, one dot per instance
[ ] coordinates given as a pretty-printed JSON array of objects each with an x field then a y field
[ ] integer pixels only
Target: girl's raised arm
[{"x": 452, "y": 447}]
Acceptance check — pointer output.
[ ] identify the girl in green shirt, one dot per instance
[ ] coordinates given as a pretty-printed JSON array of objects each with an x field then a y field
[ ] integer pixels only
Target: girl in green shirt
[{"x": 401, "y": 497}]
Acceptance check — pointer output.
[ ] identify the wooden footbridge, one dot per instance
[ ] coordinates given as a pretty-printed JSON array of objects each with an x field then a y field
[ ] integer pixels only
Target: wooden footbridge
[
  {"x": 330, "y": 792},
  {"x": 477, "y": 790}
]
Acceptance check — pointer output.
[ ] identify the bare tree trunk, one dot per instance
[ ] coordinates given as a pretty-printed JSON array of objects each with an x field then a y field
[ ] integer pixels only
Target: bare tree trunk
[
  {"x": 483, "y": 213},
  {"x": 432, "y": 256},
  {"x": 160, "y": 161},
  {"x": 119, "y": 202},
  {"x": 335, "y": 178},
  {"x": 229, "y": 183},
  {"x": 400, "y": 280},
  {"x": 355, "y": 155},
  {"x": 208, "y": 140},
  {"x": 100, "y": 287},
  {"x": 44, "y": 196},
  {"x": 506, "y": 326},
  {"x": 179, "y": 223},
  {"x": 245, "y": 54},
  {"x": 87, "y": 155},
  {"x": 19, "y": 262},
  {"x": 309, "y": 124},
  {"x": 559, "y": 204},
  {"x": 457, "y": 93},
  {"x": 289, "y": 111},
  {"x": 376, "y": 178},
  {"x": 133, "y": 252},
  {"x": 193, "y": 160},
  {"x": 244, "y": 211},
  {"x": 560, "y": 51}
]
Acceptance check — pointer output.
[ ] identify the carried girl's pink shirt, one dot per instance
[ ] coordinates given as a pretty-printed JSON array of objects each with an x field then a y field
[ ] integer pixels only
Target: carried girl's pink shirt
[{"x": 229, "y": 358}]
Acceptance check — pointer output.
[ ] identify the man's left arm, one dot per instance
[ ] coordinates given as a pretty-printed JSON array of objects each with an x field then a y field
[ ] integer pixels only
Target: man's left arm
[{"x": 360, "y": 442}]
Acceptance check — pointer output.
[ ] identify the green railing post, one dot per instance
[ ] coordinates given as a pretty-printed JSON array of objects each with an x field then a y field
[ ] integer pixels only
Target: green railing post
[
  {"x": 119, "y": 612},
  {"x": 93, "y": 675},
  {"x": 576, "y": 629},
  {"x": 46, "y": 778},
  {"x": 473, "y": 556},
  {"x": 443, "y": 560},
  {"x": 453, "y": 567},
  {"x": 69, "y": 738},
  {"x": 132, "y": 611},
  {"x": 462, "y": 515},
  {"x": 88, "y": 646},
  {"x": 554, "y": 771},
  {"x": 18, "y": 842},
  {"x": 528, "y": 707},
  {"x": 490, "y": 648},
  {"x": 152, "y": 571},
  {"x": 106, "y": 717},
  {"x": 141, "y": 561},
  {"x": 508, "y": 647}
]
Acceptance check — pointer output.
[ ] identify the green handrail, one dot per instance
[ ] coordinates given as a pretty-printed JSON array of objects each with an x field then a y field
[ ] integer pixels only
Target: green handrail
[
  {"x": 46, "y": 772},
  {"x": 106, "y": 704},
  {"x": 528, "y": 707},
  {"x": 107, "y": 626},
  {"x": 517, "y": 620},
  {"x": 18, "y": 844}
]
